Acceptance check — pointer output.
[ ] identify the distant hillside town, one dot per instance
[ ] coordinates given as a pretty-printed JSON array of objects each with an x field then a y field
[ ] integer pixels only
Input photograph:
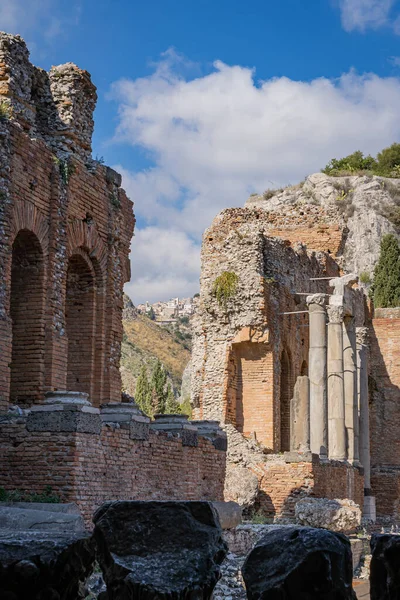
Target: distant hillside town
[{"x": 170, "y": 311}]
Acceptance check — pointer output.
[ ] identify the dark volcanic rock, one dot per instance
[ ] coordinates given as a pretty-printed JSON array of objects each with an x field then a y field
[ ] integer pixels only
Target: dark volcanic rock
[
  {"x": 385, "y": 567},
  {"x": 300, "y": 563},
  {"x": 152, "y": 550},
  {"x": 44, "y": 565}
]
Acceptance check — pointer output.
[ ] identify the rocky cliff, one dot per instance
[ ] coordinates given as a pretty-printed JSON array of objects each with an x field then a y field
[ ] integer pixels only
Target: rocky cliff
[{"x": 364, "y": 207}]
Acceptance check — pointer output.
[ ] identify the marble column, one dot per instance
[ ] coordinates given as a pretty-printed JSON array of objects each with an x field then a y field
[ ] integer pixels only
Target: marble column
[
  {"x": 363, "y": 406},
  {"x": 336, "y": 411},
  {"x": 317, "y": 370},
  {"x": 350, "y": 389},
  {"x": 300, "y": 416}
]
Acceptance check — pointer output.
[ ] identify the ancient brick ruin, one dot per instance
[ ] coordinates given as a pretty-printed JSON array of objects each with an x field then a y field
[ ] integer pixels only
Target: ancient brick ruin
[
  {"x": 295, "y": 364},
  {"x": 65, "y": 231}
]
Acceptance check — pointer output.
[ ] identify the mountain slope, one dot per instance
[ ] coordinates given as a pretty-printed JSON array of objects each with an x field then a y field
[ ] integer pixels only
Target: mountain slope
[{"x": 144, "y": 343}]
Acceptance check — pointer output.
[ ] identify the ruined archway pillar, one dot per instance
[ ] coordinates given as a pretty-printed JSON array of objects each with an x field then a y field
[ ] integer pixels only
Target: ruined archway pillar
[
  {"x": 350, "y": 389},
  {"x": 317, "y": 371},
  {"x": 336, "y": 407},
  {"x": 363, "y": 404}
]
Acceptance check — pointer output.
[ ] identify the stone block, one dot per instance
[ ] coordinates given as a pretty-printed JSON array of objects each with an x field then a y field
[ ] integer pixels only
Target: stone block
[
  {"x": 384, "y": 569},
  {"x": 229, "y": 513},
  {"x": 300, "y": 563},
  {"x": 154, "y": 550},
  {"x": 44, "y": 564},
  {"x": 33, "y": 519},
  {"x": 66, "y": 418},
  {"x": 336, "y": 515}
]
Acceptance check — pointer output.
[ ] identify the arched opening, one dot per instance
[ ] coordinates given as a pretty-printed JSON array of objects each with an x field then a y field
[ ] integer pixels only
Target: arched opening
[
  {"x": 304, "y": 368},
  {"x": 80, "y": 323},
  {"x": 285, "y": 396},
  {"x": 249, "y": 391},
  {"x": 27, "y": 315}
]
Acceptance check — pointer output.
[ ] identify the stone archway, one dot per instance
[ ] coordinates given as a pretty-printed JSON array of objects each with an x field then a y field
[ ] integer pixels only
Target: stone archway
[
  {"x": 80, "y": 310},
  {"x": 27, "y": 316}
]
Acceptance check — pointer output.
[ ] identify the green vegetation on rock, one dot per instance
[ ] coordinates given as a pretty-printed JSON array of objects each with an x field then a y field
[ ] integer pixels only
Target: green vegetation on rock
[
  {"x": 386, "y": 287},
  {"x": 386, "y": 164}
]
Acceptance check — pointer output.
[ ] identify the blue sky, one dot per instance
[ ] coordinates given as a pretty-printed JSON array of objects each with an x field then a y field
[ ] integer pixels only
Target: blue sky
[{"x": 203, "y": 102}]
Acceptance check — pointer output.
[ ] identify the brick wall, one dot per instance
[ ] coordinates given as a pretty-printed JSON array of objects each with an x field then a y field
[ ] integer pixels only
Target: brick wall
[
  {"x": 50, "y": 225},
  {"x": 90, "y": 469},
  {"x": 385, "y": 410},
  {"x": 283, "y": 484}
]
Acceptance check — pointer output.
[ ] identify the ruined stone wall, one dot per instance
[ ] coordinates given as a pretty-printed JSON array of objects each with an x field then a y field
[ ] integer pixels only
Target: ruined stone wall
[
  {"x": 90, "y": 468},
  {"x": 282, "y": 484},
  {"x": 385, "y": 409},
  {"x": 240, "y": 349},
  {"x": 65, "y": 231}
]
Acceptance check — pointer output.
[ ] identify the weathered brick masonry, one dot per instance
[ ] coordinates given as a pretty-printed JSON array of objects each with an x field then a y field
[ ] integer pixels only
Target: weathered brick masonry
[
  {"x": 90, "y": 468},
  {"x": 65, "y": 231},
  {"x": 385, "y": 409},
  {"x": 249, "y": 352}
]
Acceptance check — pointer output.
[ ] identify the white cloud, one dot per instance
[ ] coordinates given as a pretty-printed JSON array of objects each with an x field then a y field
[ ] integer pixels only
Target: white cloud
[
  {"x": 366, "y": 14},
  {"x": 165, "y": 263},
  {"x": 395, "y": 61},
  {"x": 217, "y": 138}
]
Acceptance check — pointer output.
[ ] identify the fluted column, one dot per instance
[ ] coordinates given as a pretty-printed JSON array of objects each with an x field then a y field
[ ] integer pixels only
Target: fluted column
[
  {"x": 350, "y": 389},
  {"x": 317, "y": 371},
  {"x": 336, "y": 411}
]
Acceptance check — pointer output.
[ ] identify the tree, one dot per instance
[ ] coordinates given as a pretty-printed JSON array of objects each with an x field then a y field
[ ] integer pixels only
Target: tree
[
  {"x": 172, "y": 405},
  {"x": 143, "y": 392},
  {"x": 151, "y": 314},
  {"x": 386, "y": 287},
  {"x": 352, "y": 163},
  {"x": 158, "y": 384},
  {"x": 389, "y": 160}
]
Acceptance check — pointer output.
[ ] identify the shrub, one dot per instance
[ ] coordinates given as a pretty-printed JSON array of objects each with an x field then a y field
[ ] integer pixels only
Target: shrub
[
  {"x": 389, "y": 160},
  {"x": 353, "y": 163},
  {"x": 270, "y": 193},
  {"x": 225, "y": 286},
  {"x": 386, "y": 164},
  {"x": 386, "y": 288},
  {"x": 365, "y": 277}
]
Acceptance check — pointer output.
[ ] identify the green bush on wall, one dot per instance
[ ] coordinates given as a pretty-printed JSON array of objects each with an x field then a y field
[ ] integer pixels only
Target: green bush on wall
[{"x": 225, "y": 287}]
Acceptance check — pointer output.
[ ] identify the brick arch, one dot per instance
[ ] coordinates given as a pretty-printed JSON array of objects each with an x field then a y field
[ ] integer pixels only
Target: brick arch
[
  {"x": 85, "y": 323},
  {"x": 26, "y": 216},
  {"x": 83, "y": 235},
  {"x": 27, "y": 301}
]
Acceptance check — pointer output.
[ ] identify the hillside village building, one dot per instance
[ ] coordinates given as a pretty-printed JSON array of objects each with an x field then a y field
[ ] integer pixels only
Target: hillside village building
[{"x": 65, "y": 231}]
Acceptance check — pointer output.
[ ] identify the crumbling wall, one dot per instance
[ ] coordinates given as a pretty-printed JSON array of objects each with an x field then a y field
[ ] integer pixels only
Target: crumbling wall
[
  {"x": 239, "y": 345},
  {"x": 56, "y": 199}
]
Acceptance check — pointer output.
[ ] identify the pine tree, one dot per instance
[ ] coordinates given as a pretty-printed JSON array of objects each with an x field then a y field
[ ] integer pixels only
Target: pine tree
[
  {"x": 386, "y": 287},
  {"x": 172, "y": 406},
  {"x": 158, "y": 384},
  {"x": 143, "y": 392}
]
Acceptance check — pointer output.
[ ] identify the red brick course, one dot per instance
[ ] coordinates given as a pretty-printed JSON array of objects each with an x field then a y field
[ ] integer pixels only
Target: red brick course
[{"x": 90, "y": 469}]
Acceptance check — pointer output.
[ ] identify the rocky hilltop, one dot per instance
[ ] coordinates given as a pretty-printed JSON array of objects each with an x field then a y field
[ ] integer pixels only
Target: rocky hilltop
[{"x": 366, "y": 207}]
